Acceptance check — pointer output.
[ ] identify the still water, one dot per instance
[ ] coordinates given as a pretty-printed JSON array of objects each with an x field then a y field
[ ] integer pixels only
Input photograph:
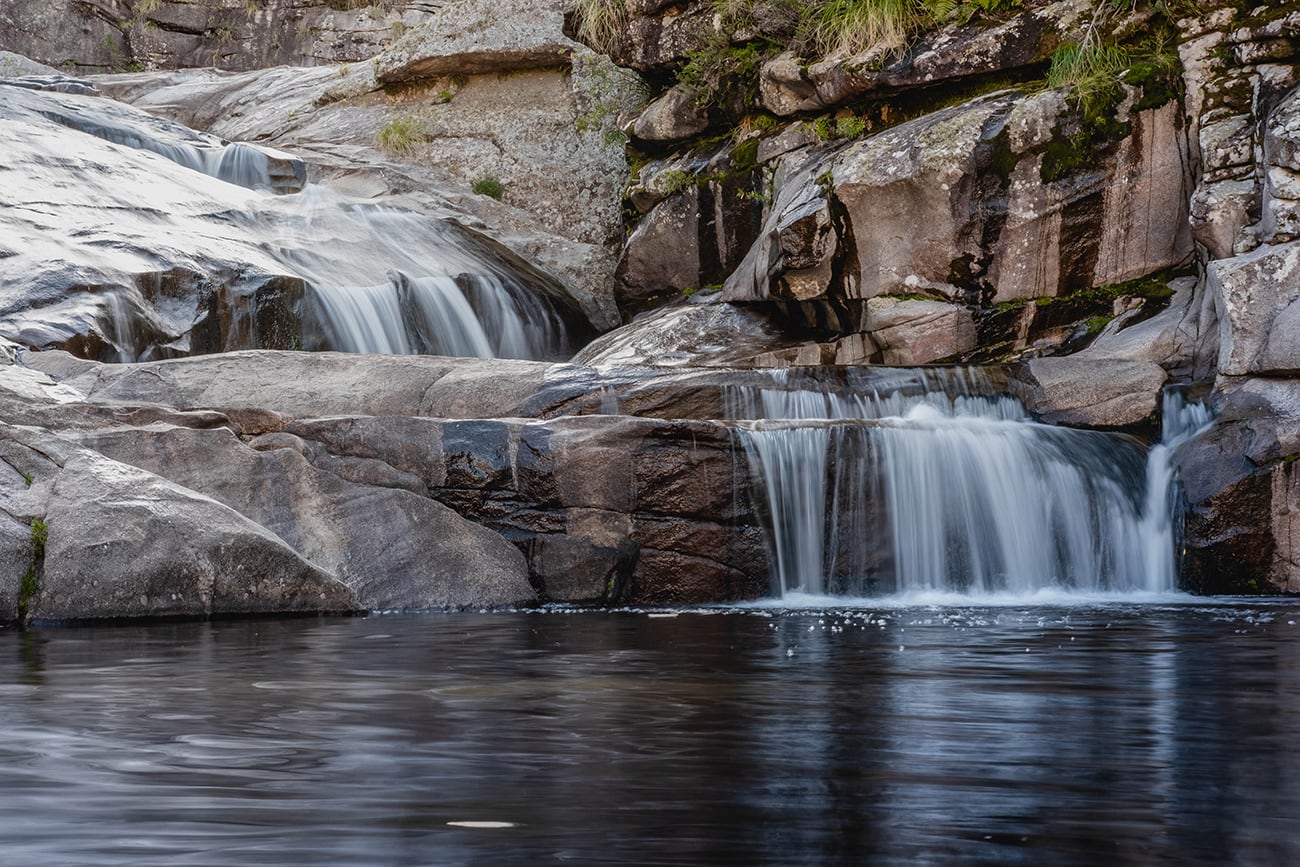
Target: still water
[{"x": 1094, "y": 734}]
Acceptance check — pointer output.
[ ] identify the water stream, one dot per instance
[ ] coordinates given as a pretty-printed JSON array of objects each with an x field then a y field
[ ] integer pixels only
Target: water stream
[{"x": 952, "y": 487}]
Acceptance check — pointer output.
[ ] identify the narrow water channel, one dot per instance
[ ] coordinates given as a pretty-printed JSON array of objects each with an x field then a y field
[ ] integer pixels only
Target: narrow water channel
[{"x": 1112, "y": 733}]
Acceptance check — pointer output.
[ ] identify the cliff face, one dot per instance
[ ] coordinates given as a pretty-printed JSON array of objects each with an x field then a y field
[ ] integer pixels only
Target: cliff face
[
  {"x": 1101, "y": 201},
  {"x": 120, "y": 35}
]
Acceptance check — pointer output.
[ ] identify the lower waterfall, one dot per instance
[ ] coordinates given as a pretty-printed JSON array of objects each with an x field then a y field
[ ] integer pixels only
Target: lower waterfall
[{"x": 945, "y": 489}]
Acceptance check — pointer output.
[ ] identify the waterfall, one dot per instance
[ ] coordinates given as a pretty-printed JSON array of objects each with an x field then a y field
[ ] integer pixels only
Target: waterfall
[
  {"x": 946, "y": 489},
  {"x": 383, "y": 280},
  {"x": 252, "y": 269}
]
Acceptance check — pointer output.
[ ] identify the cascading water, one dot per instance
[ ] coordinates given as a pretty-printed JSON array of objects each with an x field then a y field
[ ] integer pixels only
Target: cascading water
[
  {"x": 252, "y": 269},
  {"x": 940, "y": 489},
  {"x": 382, "y": 280}
]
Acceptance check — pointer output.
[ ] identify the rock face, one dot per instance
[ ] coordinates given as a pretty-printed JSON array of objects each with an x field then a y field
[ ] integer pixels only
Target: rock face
[
  {"x": 545, "y": 141},
  {"x": 1259, "y": 315},
  {"x": 395, "y": 509},
  {"x": 968, "y": 200},
  {"x": 110, "y": 540},
  {"x": 957, "y": 51},
  {"x": 103, "y": 36},
  {"x": 1240, "y": 479}
]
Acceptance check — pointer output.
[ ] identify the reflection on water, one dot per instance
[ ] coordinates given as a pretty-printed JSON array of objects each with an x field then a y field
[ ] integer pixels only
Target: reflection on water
[{"x": 953, "y": 735}]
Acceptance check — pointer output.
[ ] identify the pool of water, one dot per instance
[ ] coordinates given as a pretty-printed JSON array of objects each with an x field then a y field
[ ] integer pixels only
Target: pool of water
[{"x": 1114, "y": 733}]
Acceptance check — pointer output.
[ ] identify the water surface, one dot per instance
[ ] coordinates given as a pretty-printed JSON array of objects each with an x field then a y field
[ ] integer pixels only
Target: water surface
[{"x": 1046, "y": 734}]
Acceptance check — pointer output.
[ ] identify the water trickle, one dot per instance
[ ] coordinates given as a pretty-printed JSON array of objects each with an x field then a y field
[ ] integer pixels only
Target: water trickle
[{"x": 935, "y": 486}]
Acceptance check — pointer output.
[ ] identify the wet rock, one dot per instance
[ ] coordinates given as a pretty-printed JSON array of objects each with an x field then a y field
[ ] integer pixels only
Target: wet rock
[
  {"x": 1258, "y": 299},
  {"x": 692, "y": 334},
  {"x": 550, "y": 137},
  {"x": 84, "y": 269},
  {"x": 1241, "y": 482}
]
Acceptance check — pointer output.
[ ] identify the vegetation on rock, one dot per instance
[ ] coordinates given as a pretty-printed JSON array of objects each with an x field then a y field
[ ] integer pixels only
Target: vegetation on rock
[{"x": 400, "y": 137}]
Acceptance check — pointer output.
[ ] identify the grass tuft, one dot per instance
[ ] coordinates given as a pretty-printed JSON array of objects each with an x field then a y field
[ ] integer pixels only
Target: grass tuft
[{"x": 400, "y": 137}]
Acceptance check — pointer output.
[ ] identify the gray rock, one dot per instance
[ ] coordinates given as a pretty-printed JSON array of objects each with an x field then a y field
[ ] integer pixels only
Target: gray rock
[
  {"x": 551, "y": 137},
  {"x": 906, "y": 332},
  {"x": 788, "y": 86},
  {"x": 93, "y": 37},
  {"x": 1089, "y": 392},
  {"x": 393, "y": 548},
  {"x": 125, "y": 543},
  {"x": 1258, "y": 300},
  {"x": 675, "y": 116},
  {"x": 473, "y": 37},
  {"x": 695, "y": 335},
  {"x": 1243, "y": 488},
  {"x": 82, "y": 215}
]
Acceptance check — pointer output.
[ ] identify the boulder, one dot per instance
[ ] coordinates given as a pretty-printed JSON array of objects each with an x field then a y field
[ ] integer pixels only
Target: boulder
[
  {"x": 911, "y": 331},
  {"x": 1258, "y": 300},
  {"x": 393, "y": 548},
  {"x": 105, "y": 540},
  {"x": 674, "y": 116},
  {"x": 474, "y": 37},
  {"x": 1242, "y": 485},
  {"x": 694, "y": 334},
  {"x": 1091, "y": 392}
]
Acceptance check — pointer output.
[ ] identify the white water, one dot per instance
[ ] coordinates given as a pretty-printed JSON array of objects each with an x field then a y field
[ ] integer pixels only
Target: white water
[
  {"x": 383, "y": 280},
  {"x": 374, "y": 279},
  {"x": 945, "y": 491}
]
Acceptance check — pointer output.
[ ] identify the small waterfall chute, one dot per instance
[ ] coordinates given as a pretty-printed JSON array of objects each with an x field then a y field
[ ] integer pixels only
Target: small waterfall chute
[{"x": 945, "y": 489}]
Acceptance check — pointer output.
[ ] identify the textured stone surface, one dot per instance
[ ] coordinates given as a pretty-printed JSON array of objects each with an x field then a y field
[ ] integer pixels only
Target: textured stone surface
[
  {"x": 473, "y": 37},
  {"x": 122, "y": 542},
  {"x": 550, "y": 137},
  {"x": 672, "y": 117},
  {"x": 932, "y": 205},
  {"x": 395, "y": 549},
  {"x": 788, "y": 86},
  {"x": 89, "y": 187},
  {"x": 1087, "y": 392},
  {"x": 1258, "y": 298},
  {"x": 1243, "y": 487},
  {"x": 104, "y": 35}
]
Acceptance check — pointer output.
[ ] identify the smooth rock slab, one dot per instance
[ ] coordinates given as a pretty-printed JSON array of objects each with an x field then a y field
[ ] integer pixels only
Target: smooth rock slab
[{"x": 126, "y": 543}]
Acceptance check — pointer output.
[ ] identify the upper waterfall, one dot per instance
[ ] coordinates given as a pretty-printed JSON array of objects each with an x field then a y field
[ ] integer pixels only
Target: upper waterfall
[{"x": 137, "y": 238}]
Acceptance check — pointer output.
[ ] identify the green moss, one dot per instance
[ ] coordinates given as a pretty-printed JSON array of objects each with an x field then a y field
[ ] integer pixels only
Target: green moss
[{"x": 744, "y": 156}]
